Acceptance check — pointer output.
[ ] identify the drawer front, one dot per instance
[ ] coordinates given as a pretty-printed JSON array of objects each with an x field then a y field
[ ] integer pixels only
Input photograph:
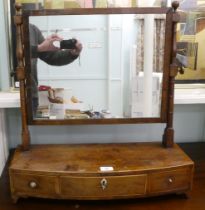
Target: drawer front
[
  {"x": 32, "y": 184},
  {"x": 99, "y": 187},
  {"x": 179, "y": 179}
]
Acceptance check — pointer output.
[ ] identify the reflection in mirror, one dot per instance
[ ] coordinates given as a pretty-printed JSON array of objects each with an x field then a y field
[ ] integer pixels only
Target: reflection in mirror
[{"x": 110, "y": 66}]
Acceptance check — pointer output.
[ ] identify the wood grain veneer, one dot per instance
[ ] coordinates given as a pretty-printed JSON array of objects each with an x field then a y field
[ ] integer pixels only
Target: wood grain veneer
[{"x": 73, "y": 171}]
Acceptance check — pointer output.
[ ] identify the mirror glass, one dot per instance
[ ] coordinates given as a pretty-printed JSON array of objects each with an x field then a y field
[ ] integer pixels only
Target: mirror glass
[{"x": 118, "y": 73}]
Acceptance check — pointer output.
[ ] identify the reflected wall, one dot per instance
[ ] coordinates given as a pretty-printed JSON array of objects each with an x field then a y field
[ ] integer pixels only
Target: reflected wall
[{"x": 118, "y": 73}]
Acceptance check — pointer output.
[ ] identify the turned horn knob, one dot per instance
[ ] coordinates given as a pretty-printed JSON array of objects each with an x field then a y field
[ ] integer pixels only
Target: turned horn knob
[{"x": 32, "y": 184}]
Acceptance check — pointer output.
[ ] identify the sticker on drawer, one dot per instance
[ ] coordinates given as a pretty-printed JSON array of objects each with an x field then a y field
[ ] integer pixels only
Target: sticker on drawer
[{"x": 106, "y": 168}]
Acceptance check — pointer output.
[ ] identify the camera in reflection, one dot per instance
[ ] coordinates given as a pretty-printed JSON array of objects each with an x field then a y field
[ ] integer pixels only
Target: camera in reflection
[{"x": 68, "y": 44}]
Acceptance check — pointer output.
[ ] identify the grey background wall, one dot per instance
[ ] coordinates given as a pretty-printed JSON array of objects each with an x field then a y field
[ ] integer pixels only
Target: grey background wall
[{"x": 189, "y": 124}]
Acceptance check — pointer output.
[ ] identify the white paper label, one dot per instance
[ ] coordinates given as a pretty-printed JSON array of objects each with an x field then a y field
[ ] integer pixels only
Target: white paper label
[{"x": 106, "y": 168}]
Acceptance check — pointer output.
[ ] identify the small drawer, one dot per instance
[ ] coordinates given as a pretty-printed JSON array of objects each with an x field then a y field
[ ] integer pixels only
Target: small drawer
[
  {"x": 103, "y": 187},
  {"x": 179, "y": 179},
  {"x": 34, "y": 184}
]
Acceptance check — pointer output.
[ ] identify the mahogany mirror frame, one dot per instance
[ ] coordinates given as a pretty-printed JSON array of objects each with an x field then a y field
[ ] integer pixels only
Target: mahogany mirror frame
[
  {"x": 170, "y": 67},
  {"x": 168, "y": 46}
]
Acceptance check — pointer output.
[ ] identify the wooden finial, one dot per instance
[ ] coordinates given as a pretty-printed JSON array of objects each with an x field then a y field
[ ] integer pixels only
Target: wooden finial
[
  {"x": 175, "y": 5},
  {"x": 18, "y": 7}
]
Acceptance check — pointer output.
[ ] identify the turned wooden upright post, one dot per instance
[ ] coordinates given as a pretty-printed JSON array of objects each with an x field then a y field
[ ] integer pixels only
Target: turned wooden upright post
[
  {"x": 168, "y": 137},
  {"x": 21, "y": 76}
]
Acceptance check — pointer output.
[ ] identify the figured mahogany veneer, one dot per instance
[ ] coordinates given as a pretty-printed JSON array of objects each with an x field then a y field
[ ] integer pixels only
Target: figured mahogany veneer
[{"x": 73, "y": 171}]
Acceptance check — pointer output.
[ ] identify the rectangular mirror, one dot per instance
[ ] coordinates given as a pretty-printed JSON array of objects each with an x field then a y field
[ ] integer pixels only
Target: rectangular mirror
[{"x": 119, "y": 73}]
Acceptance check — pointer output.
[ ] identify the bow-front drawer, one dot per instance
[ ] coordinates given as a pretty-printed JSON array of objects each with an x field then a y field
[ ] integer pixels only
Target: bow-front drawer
[
  {"x": 103, "y": 187},
  {"x": 179, "y": 179},
  {"x": 34, "y": 184}
]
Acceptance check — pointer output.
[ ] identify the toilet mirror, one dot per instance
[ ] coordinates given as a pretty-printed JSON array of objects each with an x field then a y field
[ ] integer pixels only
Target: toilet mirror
[{"x": 120, "y": 75}]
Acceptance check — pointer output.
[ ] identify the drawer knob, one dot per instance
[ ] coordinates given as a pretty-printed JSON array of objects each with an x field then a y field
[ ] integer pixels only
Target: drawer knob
[
  {"x": 32, "y": 184},
  {"x": 103, "y": 183},
  {"x": 170, "y": 180}
]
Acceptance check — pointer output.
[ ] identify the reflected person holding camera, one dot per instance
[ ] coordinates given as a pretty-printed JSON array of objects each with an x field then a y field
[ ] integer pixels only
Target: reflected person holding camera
[{"x": 46, "y": 50}]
